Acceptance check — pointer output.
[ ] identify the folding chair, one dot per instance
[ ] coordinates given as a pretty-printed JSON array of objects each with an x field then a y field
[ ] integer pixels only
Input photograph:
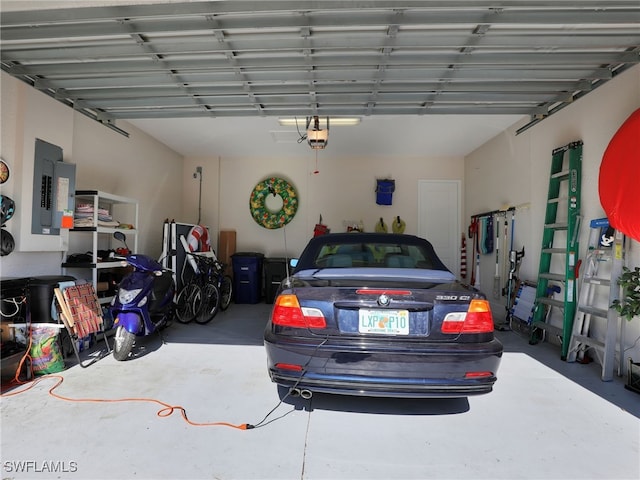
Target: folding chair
[{"x": 81, "y": 314}]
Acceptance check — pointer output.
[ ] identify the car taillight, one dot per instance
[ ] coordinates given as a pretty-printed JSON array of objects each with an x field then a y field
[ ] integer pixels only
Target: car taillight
[
  {"x": 477, "y": 319},
  {"x": 289, "y": 366},
  {"x": 287, "y": 312},
  {"x": 477, "y": 374}
]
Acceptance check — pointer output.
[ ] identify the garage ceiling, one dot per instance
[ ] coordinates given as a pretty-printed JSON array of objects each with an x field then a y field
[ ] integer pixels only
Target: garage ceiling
[{"x": 329, "y": 58}]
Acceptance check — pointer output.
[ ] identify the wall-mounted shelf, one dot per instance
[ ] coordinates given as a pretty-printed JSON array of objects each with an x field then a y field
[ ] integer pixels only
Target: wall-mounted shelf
[{"x": 125, "y": 210}]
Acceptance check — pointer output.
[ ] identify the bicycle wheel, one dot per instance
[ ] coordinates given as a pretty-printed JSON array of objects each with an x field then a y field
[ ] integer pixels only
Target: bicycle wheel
[
  {"x": 210, "y": 304},
  {"x": 188, "y": 302},
  {"x": 226, "y": 292}
]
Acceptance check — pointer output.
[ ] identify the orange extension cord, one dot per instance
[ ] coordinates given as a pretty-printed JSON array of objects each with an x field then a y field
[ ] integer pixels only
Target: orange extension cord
[{"x": 166, "y": 410}]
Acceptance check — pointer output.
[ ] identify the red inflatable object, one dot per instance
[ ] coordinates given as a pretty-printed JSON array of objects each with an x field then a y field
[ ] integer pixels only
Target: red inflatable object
[{"x": 619, "y": 181}]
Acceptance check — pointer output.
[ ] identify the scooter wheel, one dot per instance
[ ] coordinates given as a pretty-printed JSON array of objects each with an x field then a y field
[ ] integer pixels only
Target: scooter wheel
[{"x": 123, "y": 343}]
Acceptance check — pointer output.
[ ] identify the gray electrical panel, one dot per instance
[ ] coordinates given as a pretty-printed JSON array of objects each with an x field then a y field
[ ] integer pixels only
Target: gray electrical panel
[{"x": 54, "y": 186}]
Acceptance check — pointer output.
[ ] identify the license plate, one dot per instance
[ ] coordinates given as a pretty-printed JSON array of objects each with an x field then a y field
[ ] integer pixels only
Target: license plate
[{"x": 384, "y": 322}]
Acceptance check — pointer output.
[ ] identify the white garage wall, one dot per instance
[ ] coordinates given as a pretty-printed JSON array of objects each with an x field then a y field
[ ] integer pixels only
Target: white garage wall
[
  {"x": 343, "y": 190},
  {"x": 137, "y": 167},
  {"x": 514, "y": 170},
  {"x": 26, "y": 117}
]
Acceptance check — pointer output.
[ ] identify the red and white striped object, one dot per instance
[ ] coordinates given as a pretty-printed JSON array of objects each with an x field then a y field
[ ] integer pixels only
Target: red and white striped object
[{"x": 463, "y": 257}]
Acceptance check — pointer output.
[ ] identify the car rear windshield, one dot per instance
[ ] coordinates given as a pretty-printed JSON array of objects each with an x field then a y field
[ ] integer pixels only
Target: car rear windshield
[{"x": 378, "y": 255}]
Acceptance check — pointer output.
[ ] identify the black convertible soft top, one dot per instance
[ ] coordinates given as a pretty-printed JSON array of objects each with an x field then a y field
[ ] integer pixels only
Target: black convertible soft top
[{"x": 309, "y": 254}]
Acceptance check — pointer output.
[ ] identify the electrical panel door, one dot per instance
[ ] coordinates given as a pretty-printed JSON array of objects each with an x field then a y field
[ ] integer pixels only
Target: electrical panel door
[{"x": 53, "y": 189}]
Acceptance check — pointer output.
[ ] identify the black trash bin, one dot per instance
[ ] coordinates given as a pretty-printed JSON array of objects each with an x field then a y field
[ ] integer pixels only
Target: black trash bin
[
  {"x": 41, "y": 290},
  {"x": 275, "y": 271},
  {"x": 247, "y": 276}
]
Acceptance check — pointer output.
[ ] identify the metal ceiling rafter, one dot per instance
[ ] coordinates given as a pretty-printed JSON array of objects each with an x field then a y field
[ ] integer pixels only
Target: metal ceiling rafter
[
  {"x": 578, "y": 93},
  {"x": 309, "y": 62},
  {"x": 338, "y": 61},
  {"x": 546, "y": 88},
  {"x": 231, "y": 59},
  {"x": 339, "y": 98},
  {"x": 313, "y": 57},
  {"x": 37, "y": 83},
  {"x": 434, "y": 12},
  {"x": 450, "y": 73},
  {"x": 158, "y": 58},
  {"x": 319, "y": 77},
  {"x": 409, "y": 40},
  {"x": 384, "y": 55},
  {"x": 333, "y": 111}
]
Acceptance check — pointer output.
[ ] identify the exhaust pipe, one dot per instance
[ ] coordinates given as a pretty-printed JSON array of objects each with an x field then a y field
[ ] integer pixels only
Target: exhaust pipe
[
  {"x": 294, "y": 392},
  {"x": 304, "y": 393}
]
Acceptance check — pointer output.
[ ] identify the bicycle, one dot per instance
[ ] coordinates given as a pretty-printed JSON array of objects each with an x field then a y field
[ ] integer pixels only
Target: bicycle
[
  {"x": 225, "y": 286},
  {"x": 208, "y": 291},
  {"x": 216, "y": 293},
  {"x": 191, "y": 298}
]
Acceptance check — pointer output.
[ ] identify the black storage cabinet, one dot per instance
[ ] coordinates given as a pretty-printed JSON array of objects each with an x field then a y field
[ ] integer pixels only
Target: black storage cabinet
[
  {"x": 247, "y": 276},
  {"x": 275, "y": 271}
]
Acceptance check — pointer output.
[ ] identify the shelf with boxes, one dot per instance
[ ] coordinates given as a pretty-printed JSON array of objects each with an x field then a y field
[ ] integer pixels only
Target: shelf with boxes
[{"x": 98, "y": 215}]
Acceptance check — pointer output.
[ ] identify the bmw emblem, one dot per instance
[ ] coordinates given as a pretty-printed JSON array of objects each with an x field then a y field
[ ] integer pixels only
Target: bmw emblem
[{"x": 383, "y": 300}]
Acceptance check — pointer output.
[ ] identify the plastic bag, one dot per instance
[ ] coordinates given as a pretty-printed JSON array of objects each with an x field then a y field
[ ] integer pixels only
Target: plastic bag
[{"x": 46, "y": 356}]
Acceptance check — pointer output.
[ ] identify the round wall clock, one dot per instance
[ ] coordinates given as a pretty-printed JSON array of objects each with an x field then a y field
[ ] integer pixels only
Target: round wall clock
[{"x": 4, "y": 171}]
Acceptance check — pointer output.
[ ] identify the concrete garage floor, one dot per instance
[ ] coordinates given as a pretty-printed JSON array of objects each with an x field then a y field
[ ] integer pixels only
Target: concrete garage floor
[{"x": 545, "y": 419}]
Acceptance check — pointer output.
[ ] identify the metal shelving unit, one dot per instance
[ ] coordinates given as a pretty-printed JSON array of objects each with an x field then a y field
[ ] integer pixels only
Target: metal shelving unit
[{"x": 126, "y": 209}]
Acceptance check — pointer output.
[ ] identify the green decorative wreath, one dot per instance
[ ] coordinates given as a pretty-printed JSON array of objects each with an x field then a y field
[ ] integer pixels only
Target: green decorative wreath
[{"x": 263, "y": 216}]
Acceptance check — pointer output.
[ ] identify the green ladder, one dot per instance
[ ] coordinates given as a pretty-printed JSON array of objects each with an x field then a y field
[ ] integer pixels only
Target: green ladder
[{"x": 560, "y": 245}]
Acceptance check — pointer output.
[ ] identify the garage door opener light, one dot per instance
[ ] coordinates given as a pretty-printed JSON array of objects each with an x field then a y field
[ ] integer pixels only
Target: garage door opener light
[{"x": 317, "y": 137}]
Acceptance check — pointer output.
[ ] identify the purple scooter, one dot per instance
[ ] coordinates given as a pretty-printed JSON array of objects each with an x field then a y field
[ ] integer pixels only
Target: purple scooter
[{"x": 144, "y": 301}]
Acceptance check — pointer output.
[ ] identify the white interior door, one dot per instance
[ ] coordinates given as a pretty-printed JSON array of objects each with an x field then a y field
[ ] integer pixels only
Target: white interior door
[{"x": 439, "y": 219}]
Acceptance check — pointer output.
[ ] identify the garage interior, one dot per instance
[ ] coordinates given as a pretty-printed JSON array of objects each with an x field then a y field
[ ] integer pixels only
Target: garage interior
[{"x": 182, "y": 108}]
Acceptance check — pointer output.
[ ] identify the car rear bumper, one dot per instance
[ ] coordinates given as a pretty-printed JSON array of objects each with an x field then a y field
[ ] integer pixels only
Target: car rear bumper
[
  {"x": 445, "y": 370},
  {"x": 381, "y": 387}
]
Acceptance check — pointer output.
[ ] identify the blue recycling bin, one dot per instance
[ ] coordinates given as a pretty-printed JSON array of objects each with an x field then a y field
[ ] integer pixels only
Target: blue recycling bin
[{"x": 247, "y": 276}]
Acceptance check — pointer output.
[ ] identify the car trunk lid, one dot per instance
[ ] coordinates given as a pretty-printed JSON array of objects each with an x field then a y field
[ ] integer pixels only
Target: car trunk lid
[{"x": 389, "y": 308}]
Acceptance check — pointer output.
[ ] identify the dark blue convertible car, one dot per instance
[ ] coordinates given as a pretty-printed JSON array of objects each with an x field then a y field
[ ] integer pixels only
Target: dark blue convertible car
[{"x": 379, "y": 315}]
